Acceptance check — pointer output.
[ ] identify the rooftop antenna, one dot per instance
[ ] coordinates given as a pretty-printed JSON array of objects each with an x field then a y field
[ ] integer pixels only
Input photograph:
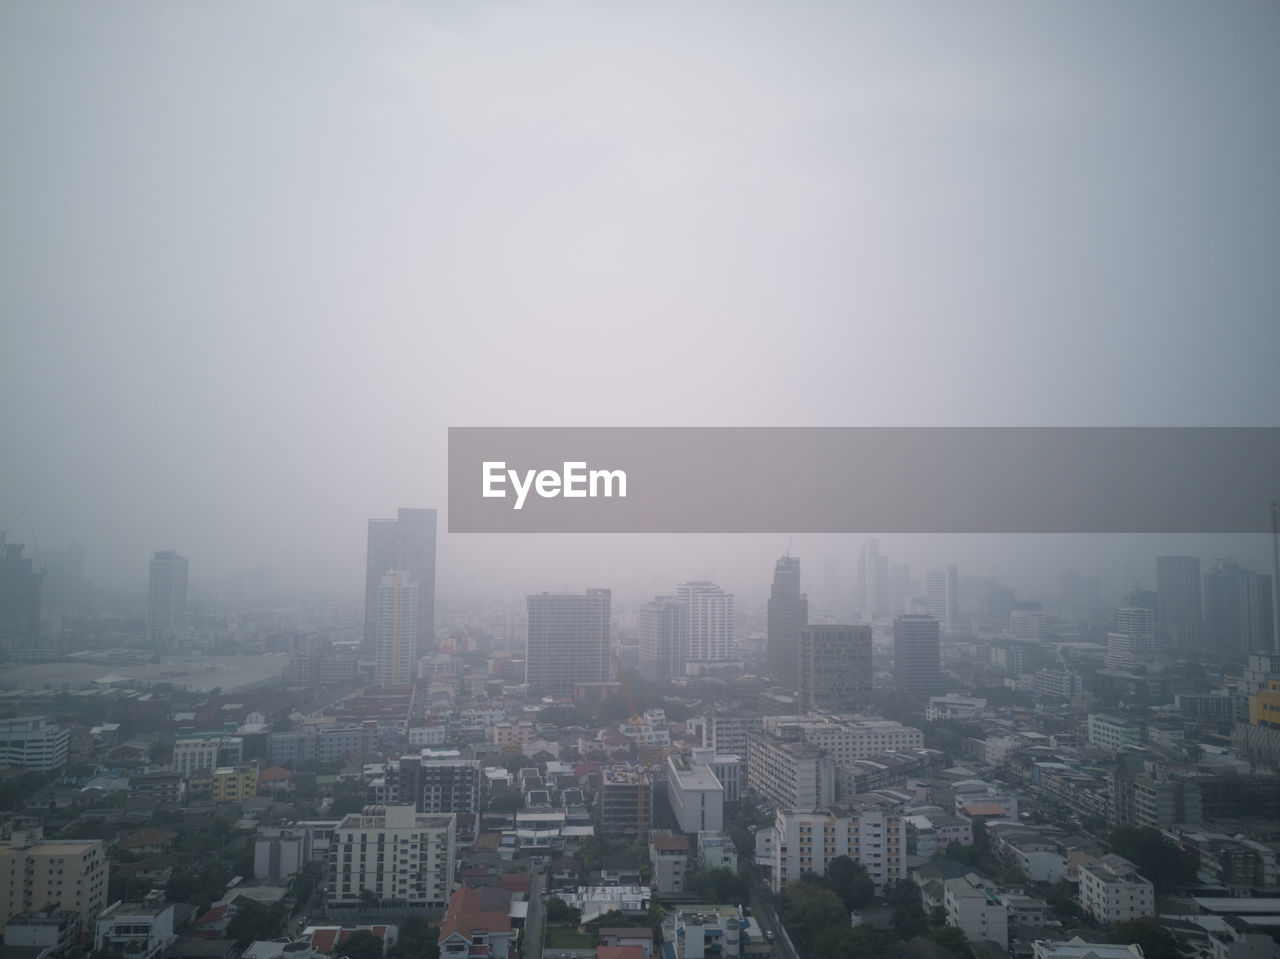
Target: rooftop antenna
[{"x": 788, "y": 552}]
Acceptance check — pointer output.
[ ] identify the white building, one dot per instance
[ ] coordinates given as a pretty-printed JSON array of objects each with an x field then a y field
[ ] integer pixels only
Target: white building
[
  {"x": 29, "y": 742},
  {"x": 976, "y": 910},
  {"x": 1077, "y": 948},
  {"x": 790, "y": 775},
  {"x": 696, "y": 796},
  {"x": 139, "y": 930},
  {"x": 942, "y": 589},
  {"x": 1113, "y": 891},
  {"x": 396, "y": 629},
  {"x": 872, "y": 833},
  {"x": 728, "y": 769},
  {"x": 398, "y": 854},
  {"x": 203, "y": 754},
  {"x": 166, "y": 598},
  {"x": 708, "y": 624},
  {"x": 845, "y": 739},
  {"x": 669, "y": 855}
]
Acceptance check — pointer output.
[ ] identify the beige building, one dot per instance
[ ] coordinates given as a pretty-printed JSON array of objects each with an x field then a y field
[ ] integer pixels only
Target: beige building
[
  {"x": 1113, "y": 891},
  {"x": 790, "y": 774},
  {"x": 871, "y": 833},
  {"x": 36, "y": 873},
  {"x": 401, "y": 856}
]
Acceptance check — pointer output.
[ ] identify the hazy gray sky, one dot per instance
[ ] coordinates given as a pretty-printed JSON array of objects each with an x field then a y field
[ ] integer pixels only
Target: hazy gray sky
[{"x": 256, "y": 258}]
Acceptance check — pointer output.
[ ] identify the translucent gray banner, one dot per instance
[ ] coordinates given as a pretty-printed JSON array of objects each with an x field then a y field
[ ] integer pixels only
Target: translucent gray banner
[{"x": 858, "y": 480}]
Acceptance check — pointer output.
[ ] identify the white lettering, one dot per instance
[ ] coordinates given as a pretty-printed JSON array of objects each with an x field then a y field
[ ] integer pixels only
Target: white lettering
[
  {"x": 548, "y": 484},
  {"x": 521, "y": 491},
  {"x": 570, "y": 478},
  {"x": 575, "y": 481},
  {"x": 493, "y": 473},
  {"x": 609, "y": 476}
]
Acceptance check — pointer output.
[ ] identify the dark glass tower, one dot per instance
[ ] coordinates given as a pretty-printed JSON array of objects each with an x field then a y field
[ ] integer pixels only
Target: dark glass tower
[{"x": 788, "y": 614}]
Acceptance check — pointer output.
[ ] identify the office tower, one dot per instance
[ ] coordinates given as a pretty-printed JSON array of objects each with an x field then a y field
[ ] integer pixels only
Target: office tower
[
  {"x": 396, "y": 638},
  {"x": 1273, "y": 508},
  {"x": 1178, "y": 587},
  {"x": 1237, "y": 609},
  {"x": 942, "y": 588},
  {"x": 1132, "y": 641},
  {"x": 874, "y": 570},
  {"x": 20, "y": 597},
  {"x": 568, "y": 641},
  {"x": 709, "y": 624},
  {"x": 917, "y": 656},
  {"x": 835, "y": 667},
  {"x": 663, "y": 628},
  {"x": 832, "y": 594},
  {"x": 167, "y": 597},
  {"x": 1146, "y": 598},
  {"x": 788, "y": 613},
  {"x": 408, "y": 544}
]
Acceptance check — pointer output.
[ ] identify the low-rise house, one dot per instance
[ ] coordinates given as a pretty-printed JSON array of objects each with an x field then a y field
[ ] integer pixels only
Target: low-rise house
[
  {"x": 476, "y": 925},
  {"x": 1112, "y": 890},
  {"x": 669, "y": 854},
  {"x": 149, "y": 841},
  {"x": 138, "y": 930},
  {"x": 52, "y": 930}
]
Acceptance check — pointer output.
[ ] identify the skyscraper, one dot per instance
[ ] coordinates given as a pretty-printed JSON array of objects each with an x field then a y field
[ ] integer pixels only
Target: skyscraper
[
  {"x": 709, "y": 624},
  {"x": 874, "y": 570},
  {"x": 663, "y": 629},
  {"x": 1273, "y": 507},
  {"x": 788, "y": 613},
  {"x": 1178, "y": 586},
  {"x": 408, "y": 544},
  {"x": 568, "y": 641},
  {"x": 835, "y": 670},
  {"x": 20, "y": 597},
  {"x": 942, "y": 588},
  {"x": 1132, "y": 641},
  {"x": 396, "y": 643},
  {"x": 166, "y": 597},
  {"x": 1237, "y": 609},
  {"x": 917, "y": 656}
]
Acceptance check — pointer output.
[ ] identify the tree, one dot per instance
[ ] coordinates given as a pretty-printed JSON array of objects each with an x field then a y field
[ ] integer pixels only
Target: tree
[
  {"x": 506, "y": 799},
  {"x": 418, "y": 940},
  {"x": 368, "y": 899},
  {"x": 849, "y": 880},
  {"x": 721, "y": 884},
  {"x": 254, "y": 921},
  {"x": 362, "y": 944},
  {"x": 808, "y": 910},
  {"x": 348, "y": 797},
  {"x": 1159, "y": 859},
  {"x": 561, "y": 913},
  {"x": 849, "y": 942},
  {"x": 951, "y": 938},
  {"x": 1156, "y": 941}
]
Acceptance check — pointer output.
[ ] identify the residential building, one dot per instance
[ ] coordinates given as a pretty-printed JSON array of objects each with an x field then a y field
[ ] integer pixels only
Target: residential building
[
  {"x": 835, "y": 669},
  {"x": 396, "y": 643},
  {"x": 49, "y": 929},
  {"x": 162, "y": 788},
  {"x": 847, "y": 738},
  {"x": 788, "y": 613},
  {"x": 70, "y": 875},
  {"x": 408, "y": 544},
  {"x": 1180, "y": 610},
  {"x": 976, "y": 910},
  {"x": 696, "y": 796},
  {"x": 624, "y": 803},
  {"x": 709, "y": 932},
  {"x": 790, "y": 774},
  {"x": 728, "y": 770},
  {"x": 669, "y": 855},
  {"x": 400, "y": 855},
  {"x": 727, "y": 732},
  {"x": 663, "y": 628},
  {"x": 325, "y": 744},
  {"x": 716, "y": 850},
  {"x": 167, "y": 598},
  {"x": 138, "y": 930},
  {"x": 917, "y": 656},
  {"x": 235, "y": 783},
  {"x": 568, "y": 641},
  {"x": 1132, "y": 641},
  {"x": 708, "y": 624},
  {"x": 435, "y": 781},
  {"x": 21, "y": 591},
  {"x": 942, "y": 590},
  {"x": 477, "y": 924},
  {"x": 1113, "y": 891},
  {"x": 29, "y": 742},
  {"x": 1077, "y": 948},
  {"x": 1112, "y": 732},
  {"x": 278, "y": 853},
  {"x": 1237, "y": 609},
  {"x": 871, "y": 832},
  {"x": 202, "y": 754}
]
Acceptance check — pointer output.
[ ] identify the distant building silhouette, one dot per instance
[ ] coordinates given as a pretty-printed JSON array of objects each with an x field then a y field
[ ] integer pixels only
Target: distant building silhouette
[
  {"x": 20, "y": 597},
  {"x": 396, "y": 635},
  {"x": 917, "y": 656},
  {"x": 835, "y": 667},
  {"x": 788, "y": 613},
  {"x": 408, "y": 544},
  {"x": 708, "y": 624},
  {"x": 662, "y": 625},
  {"x": 942, "y": 588},
  {"x": 568, "y": 641},
  {"x": 167, "y": 598},
  {"x": 1178, "y": 587},
  {"x": 1237, "y": 608}
]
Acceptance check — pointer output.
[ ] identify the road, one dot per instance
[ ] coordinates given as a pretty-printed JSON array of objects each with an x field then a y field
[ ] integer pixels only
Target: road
[
  {"x": 763, "y": 911},
  {"x": 535, "y": 922}
]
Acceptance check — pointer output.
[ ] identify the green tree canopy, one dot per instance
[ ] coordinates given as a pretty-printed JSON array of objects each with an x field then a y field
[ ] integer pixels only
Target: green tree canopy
[
  {"x": 1156, "y": 941},
  {"x": 559, "y": 911},
  {"x": 849, "y": 880},
  {"x": 362, "y": 944},
  {"x": 1159, "y": 859},
  {"x": 808, "y": 909}
]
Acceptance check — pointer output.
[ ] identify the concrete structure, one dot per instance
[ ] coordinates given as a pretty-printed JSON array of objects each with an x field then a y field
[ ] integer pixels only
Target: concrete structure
[
  {"x": 845, "y": 738},
  {"x": 568, "y": 641},
  {"x": 835, "y": 667},
  {"x": 728, "y": 732},
  {"x": 917, "y": 657},
  {"x": 202, "y": 754},
  {"x": 36, "y": 873},
  {"x": 1180, "y": 610},
  {"x": 324, "y": 744},
  {"x": 235, "y": 783},
  {"x": 281, "y": 852},
  {"x": 790, "y": 774},
  {"x": 1132, "y": 641},
  {"x": 1112, "y": 733},
  {"x": 709, "y": 932},
  {"x": 788, "y": 613},
  {"x": 408, "y": 544},
  {"x": 167, "y": 598},
  {"x": 728, "y": 770},
  {"x": 870, "y": 832},
  {"x": 663, "y": 628},
  {"x": 435, "y": 781},
  {"x": 1077, "y": 948},
  {"x": 477, "y": 925},
  {"x": 1237, "y": 609},
  {"x": 138, "y": 930},
  {"x": 401, "y": 856},
  {"x": 624, "y": 803},
  {"x": 942, "y": 591},
  {"x": 29, "y": 742},
  {"x": 696, "y": 796},
  {"x": 976, "y": 910},
  {"x": 669, "y": 855},
  {"x": 1113, "y": 891},
  {"x": 716, "y": 850},
  {"x": 396, "y": 644},
  {"x": 708, "y": 624},
  {"x": 49, "y": 929}
]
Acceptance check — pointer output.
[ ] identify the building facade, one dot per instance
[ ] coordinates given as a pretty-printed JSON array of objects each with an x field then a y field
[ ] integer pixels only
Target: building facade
[
  {"x": 29, "y": 742},
  {"x": 835, "y": 669},
  {"x": 788, "y": 613},
  {"x": 663, "y": 626},
  {"x": 406, "y": 543},
  {"x": 401, "y": 856},
  {"x": 65, "y": 874},
  {"x": 917, "y": 657},
  {"x": 166, "y": 598},
  {"x": 568, "y": 641}
]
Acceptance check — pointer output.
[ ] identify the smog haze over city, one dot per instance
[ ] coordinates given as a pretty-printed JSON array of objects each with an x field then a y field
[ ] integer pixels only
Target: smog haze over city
[{"x": 262, "y": 266}]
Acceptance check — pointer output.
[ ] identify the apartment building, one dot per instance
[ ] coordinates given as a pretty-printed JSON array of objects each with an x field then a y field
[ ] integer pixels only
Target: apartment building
[
  {"x": 138, "y": 930},
  {"x": 846, "y": 739},
  {"x": 400, "y": 855},
  {"x": 1113, "y": 891},
  {"x": 198, "y": 756},
  {"x": 696, "y": 796},
  {"x": 871, "y": 832},
  {"x": 976, "y": 910},
  {"x": 790, "y": 774},
  {"x": 235, "y": 783},
  {"x": 29, "y": 742},
  {"x": 669, "y": 855},
  {"x": 67, "y": 874}
]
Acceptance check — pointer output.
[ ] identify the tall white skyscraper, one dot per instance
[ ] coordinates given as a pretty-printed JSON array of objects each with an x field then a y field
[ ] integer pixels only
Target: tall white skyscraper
[
  {"x": 1133, "y": 640},
  {"x": 568, "y": 641},
  {"x": 874, "y": 570},
  {"x": 407, "y": 544},
  {"x": 943, "y": 594},
  {"x": 396, "y": 645},
  {"x": 167, "y": 597},
  {"x": 709, "y": 624}
]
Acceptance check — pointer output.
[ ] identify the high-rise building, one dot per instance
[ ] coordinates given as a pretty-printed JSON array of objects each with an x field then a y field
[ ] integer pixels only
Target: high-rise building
[
  {"x": 709, "y": 623},
  {"x": 663, "y": 626},
  {"x": 396, "y": 638},
  {"x": 942, "y": 586},
  {"x": 788, "y": 613},
  {"x": 568, "y": 641},
  {"x": 20, "y": 597},
  {"x": 403, "y": 857},
  {"x": 56, "y": 873},
  {"x": 408, "y": 544},
  {"x": 1237, "y": 609},
  {"x": 1132, "y": 640},
  {"x": 917, "y": 656},
  {"x": 1178, "y": 586},
  {"x": 835, "y": 667},
  {"x": 874, "y": 570},
  {"x": 1273, "y": 507},
  {"x": 167, "y": 597}
]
